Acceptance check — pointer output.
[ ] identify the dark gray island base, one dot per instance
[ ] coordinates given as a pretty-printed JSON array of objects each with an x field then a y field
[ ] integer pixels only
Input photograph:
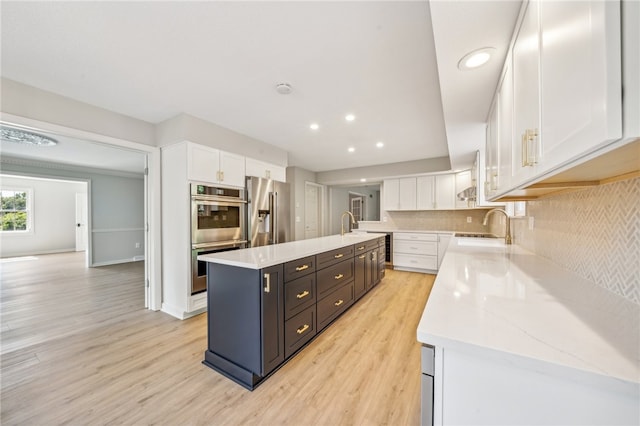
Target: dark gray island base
[{"x": 257, "y": 319}]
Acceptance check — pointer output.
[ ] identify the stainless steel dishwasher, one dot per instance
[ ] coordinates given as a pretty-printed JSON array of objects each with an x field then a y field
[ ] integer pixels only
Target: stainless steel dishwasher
[{"x": 428, "y": 370}]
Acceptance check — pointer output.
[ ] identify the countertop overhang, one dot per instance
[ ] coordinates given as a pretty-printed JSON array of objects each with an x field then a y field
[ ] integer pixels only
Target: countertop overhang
[
  {"x": 502, "y": 298},
  {"x": 265, "y": 256}
]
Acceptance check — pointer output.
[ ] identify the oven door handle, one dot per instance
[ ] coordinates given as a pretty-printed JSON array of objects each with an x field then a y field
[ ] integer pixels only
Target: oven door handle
[
  {"x": 233, "y": 243},
  {"x": 209, "y": 202}
]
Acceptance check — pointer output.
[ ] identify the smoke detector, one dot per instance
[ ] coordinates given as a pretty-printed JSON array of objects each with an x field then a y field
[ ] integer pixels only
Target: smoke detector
[{"x": 283, "y": 88}]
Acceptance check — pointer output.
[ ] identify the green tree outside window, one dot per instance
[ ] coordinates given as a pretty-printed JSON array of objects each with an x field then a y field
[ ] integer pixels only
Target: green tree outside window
[{"x": 13, "y": 213}]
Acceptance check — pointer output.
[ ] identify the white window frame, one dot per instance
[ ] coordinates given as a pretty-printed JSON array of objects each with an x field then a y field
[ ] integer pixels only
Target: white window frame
[{"x": 29, "y": 210}]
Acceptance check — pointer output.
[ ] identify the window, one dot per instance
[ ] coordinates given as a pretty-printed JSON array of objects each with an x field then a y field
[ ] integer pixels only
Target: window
[{"x": 15, "y": 210}]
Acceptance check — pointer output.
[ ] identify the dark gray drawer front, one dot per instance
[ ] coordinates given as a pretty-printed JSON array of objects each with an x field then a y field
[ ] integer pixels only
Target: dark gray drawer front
[
  {"x": 373, "y": 244},
  {"x": 330, "y": 278},
  {"x": 299, "y": 330},
  {"x": 359, "y": 248},
  {"x": 334, "y": 304},
  {"x": 299, "y": 268},
  {"x": 299, "y": 295},
  {"x": 334, "y": 256},
  {"x": 381, "y": 241}
]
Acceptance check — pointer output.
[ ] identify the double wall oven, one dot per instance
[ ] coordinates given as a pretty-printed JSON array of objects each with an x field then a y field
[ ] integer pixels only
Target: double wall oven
[{"x": 217, "y": 224}]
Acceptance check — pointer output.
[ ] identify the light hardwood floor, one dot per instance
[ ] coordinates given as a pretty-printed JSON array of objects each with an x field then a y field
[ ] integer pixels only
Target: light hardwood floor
[{"x": 79, "y": 348}]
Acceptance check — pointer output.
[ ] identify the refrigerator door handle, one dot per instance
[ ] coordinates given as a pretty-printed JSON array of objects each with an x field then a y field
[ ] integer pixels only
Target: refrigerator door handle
[{"x": 274, "y": 217}]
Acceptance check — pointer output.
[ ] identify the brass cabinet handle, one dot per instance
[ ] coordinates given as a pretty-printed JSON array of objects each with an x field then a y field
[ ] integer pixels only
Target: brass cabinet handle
[
  {"x": 267, "y": 283},
  {"x": 337, "y": 277},
  {"x": 360, "y": 248},
  {"x": 302, "y": 268},
  {"x": 362, "y": 256},
  {"x": 338, "y": 256},
  {"x": 302, "y": 329},
  {"x": 339, "y": 302},
  {"x": 302, "y": 295},
  {"x": 528, "y": 152}
]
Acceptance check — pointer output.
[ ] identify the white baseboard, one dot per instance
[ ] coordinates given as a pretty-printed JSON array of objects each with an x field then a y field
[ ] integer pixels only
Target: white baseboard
[
  {"x": 38, "y": 252},
  {"x": 114, "y": 262}
]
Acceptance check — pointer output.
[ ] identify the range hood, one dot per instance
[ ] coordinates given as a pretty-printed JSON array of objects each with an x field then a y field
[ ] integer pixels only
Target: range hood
[{"x": 468, "y": 194}]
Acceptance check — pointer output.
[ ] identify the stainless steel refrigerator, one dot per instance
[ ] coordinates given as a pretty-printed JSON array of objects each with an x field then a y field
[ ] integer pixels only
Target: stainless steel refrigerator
[{"x": 268, "y": 217}]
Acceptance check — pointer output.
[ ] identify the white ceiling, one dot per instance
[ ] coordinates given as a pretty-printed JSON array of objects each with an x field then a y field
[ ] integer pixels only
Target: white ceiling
[{"x": 220, "y": 61}]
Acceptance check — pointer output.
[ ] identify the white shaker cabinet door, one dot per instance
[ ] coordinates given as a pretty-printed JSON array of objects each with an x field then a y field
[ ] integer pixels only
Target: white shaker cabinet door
[
  {"x": 407, "y": 193},
  {"x": 231, "y": 169},
  {"x": 581, "y": 78},
  {"x": 391, "y": 189},
  {"x": 425, "y": 193},
  {"x": 203, "y": 163},
  {"x": 526, "y": 95}
]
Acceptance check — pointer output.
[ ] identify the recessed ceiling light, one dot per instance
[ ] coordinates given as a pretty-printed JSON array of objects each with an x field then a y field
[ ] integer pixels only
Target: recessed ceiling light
[
  {"x": 350, "y": 117},
  {"x": 351, "y": 149},
  {"x": 26, "y": 138},
  {"x": 314, "y": 126},
  {"x": 476, "y": 58},
  {"x": 363, "y": 180},
  {"x": 379, "y": 144}
]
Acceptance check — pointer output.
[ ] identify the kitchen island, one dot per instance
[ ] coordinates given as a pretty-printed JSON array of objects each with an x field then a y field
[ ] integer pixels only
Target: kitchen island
[
  {"x": 264, "y": 304},
  {"x": 510, "y": 338}
]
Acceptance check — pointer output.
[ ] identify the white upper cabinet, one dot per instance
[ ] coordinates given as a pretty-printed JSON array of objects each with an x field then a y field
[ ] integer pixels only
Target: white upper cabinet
[
  {"x": 425, "y": 193},
  {"x": 505, "y": 139},
  {"x": 206, "y": 164},
  {"x": 560, "y": 95},
  {"x": 581, "y": 78},
  {"x": 391, "y": 188},
  {"x": 526, "y": 93},
  {"x": 400, "y": 194},
  {"x": 232, "y": 169},
  {"x": 491, "y": 153},
  {"x": 407, "y": 193},
  {"x": 446, "y": 192},
  {"x": 265, "y": 170},
  {"x": 203, "y": 163}
]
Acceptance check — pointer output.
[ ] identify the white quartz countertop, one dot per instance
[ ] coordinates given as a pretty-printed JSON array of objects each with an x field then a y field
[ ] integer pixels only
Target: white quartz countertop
[
  {"x": 492, "y": 296},
  {"x": 265, "y": 256}
]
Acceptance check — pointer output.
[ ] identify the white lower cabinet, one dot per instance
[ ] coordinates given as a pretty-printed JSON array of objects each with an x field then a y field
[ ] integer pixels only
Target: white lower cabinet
[{"x": 413, "y": 251}]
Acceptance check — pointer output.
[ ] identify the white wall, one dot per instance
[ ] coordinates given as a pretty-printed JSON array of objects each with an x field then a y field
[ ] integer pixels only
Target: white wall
[
  {"x": 30, "y": 102},
  {"x": 53, "y": 215},
  {"x": 339, "y": 203}
]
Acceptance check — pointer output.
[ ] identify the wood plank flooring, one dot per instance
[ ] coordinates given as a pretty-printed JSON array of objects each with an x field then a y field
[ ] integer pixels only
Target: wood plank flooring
[{"x": 79, "y": 348}]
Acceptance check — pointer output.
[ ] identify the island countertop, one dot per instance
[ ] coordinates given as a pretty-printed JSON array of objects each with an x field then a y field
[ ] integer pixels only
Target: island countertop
[
  {"x": 492, "y": 296},
  {"x": 265, "y": 256}
]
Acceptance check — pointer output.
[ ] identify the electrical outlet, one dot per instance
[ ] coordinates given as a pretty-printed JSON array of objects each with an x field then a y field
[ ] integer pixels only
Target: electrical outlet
[
  {"x": 469, "y": 219},
  {"x": 384, "y": 218},
  {"x": 137, "y": 245},
  {"x": 531, "y": 222}
]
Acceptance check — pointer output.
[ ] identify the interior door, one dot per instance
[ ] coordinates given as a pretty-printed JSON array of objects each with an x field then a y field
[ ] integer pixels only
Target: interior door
[
  {"x": 81, "y": 221},
  {"x": 311, "y": 209}
]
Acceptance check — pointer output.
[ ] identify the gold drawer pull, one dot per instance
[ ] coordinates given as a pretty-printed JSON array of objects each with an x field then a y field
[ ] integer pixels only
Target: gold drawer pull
[
  {"x": 338, "y": 256},
  {"x": 360, "y": 248},
  {"x": 339, "y": 302},
  {"x": 302, "y": 295},
  {"x": 362, "y": 256},
  {"x": 302, "y": 268},
  {"x": 337, "y": 277},
  {"x": 302, "y": 329}
]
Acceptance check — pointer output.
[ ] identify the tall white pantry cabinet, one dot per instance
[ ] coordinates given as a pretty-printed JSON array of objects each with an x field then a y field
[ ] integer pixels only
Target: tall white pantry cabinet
[{"x": 184, "y": 163}]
